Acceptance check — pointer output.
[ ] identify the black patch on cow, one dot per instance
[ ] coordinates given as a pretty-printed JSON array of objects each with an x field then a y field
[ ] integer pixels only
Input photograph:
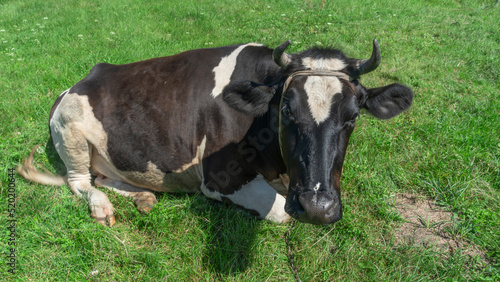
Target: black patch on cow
[
  {"x": 264, "y": 71},
  {"x": 239, "y": 163},
  {"x": 248, "y": 97},
  {"x": 92, "y": 82}
]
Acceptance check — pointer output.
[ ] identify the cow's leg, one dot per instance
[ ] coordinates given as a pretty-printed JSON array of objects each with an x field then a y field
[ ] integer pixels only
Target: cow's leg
[
  {"x": 257, "y": 197},
  {"x": 75, "y": 152},
  {"x": 143, "y": 199}
]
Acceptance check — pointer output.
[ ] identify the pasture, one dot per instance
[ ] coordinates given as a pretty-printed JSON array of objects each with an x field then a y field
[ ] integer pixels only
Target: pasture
[{"x": 421, "y": 192}]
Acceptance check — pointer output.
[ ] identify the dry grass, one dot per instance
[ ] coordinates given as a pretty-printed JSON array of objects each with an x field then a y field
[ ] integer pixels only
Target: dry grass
[{"x": 428, "y": 225}]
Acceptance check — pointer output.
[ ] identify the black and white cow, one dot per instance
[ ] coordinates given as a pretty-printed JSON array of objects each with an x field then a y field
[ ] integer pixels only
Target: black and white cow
[{"x": 245, "y": 124}]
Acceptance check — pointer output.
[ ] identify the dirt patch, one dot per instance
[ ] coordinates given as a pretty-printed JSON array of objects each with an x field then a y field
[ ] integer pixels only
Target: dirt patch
[{"x": 428, "y": 225}]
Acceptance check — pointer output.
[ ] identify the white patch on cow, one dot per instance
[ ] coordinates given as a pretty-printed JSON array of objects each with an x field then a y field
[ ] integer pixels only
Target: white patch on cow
[
  {"x": 74, "y": 131},
  {"x": 73, "y": 119},
  {"x": 331, "y": 64},
  {"x": 320, "y": 91},
  {"x": 259, "y": 196},
  {"x": 73, "y": 126},
  {"x": 225, "y": 69}
]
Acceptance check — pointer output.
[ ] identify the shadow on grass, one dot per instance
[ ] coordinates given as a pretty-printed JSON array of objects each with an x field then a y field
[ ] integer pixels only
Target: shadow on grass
[
  {"x": 54, "y": 159},
  {"x": 231, "y": 236}
]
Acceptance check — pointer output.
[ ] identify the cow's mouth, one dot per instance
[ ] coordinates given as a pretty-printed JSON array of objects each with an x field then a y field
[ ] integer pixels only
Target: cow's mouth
[{"x": 314, "y": 207}]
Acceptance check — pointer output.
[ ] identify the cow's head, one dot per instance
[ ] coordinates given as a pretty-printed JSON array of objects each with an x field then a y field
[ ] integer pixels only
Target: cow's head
[{"x": 321, "y": 98}]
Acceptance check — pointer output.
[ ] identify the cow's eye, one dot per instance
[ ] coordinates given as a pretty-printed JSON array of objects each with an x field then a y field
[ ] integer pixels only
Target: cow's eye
[
  {"x": 285, "y": 111},
  {"x": 352, "y": 121}
]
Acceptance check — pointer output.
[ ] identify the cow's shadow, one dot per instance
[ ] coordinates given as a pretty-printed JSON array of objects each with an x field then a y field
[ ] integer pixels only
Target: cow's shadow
[
  {"x": 231, "y": 239},
  {"x": 54, "y": 159}
]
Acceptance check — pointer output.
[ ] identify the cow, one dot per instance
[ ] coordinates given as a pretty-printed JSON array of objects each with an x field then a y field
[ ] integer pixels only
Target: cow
[{"x": 256, "y": 127}]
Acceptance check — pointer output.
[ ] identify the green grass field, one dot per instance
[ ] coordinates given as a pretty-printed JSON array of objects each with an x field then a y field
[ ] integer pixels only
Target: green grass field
[{"x": 445, "y": 148}]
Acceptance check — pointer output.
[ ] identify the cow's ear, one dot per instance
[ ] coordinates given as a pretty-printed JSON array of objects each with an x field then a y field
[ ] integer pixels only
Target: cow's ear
[
  {"x": 388, "y": 101},
  {"x": 248, "y": 97}
]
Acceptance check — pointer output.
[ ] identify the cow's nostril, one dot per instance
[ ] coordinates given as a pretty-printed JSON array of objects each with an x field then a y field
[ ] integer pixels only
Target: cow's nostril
[
  {"x": 299, "y": 207},
  {"x": 318, "y": 209}
]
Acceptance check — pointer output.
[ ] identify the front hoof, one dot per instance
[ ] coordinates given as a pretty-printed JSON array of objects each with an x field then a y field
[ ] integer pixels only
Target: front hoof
[
  {"x": 145, "y": 202},
  {"x": 104, "y": 216}
]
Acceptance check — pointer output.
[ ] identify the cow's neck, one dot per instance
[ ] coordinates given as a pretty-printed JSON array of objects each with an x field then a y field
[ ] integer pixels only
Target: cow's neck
[{"x": 263, "y": 137}]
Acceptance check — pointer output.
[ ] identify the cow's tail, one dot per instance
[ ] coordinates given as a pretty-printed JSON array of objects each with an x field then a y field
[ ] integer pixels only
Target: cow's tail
[{"x": 28, "y": 171}]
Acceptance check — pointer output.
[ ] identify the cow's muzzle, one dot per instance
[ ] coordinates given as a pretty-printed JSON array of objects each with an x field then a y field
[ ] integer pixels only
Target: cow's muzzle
[{"x": 314, "y": 207}]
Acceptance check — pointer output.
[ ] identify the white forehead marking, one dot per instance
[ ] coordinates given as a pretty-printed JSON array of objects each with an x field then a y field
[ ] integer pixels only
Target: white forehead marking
[
  {"x": 225, "y": 69},
  {"x": 320, "y": 91},
  {"x": 331, "y": 64}
]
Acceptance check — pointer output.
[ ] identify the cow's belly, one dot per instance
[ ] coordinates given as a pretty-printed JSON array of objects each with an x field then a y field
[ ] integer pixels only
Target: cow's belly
[{"x": 186, "y": 180}]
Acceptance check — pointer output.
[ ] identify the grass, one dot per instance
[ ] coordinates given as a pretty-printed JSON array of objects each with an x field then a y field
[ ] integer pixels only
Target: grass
[{"x": 446, "y": 147}]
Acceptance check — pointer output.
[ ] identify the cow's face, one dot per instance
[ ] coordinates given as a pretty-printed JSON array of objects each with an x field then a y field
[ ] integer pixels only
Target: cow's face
[
  {"x": 318, "y": 110},
  {"x": 317, "y": 116}
]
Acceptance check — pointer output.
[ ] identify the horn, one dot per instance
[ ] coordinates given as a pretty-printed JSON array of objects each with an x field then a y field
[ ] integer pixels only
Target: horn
[
  {"x": 280, "y": 57},
  {"x": 368, "y": 65}
]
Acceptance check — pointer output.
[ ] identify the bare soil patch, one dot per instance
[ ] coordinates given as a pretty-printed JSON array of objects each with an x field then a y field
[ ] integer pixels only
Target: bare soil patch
[{"x": 428, "y": 225}]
